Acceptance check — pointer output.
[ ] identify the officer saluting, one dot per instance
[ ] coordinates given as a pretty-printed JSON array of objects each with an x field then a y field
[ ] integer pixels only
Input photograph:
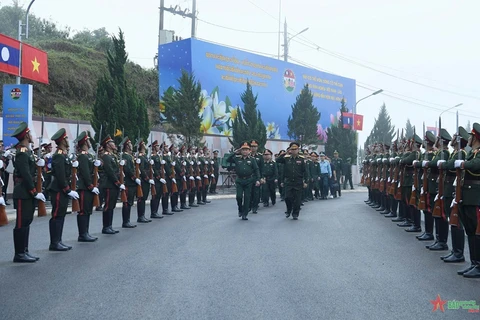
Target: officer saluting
[
  {"x": 24, "y": 193},
  {"x": 295, "y": 179},
  {"x": 247, "y": 172},
  {"x": 60, "y": 191}
]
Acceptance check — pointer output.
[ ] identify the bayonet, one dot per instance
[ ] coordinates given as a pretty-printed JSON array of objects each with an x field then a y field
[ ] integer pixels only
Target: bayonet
[
  {"x": 440, "y": 137},
  {"x": 149, "y": 152},
  {"x": 99, "y": 141},
  {"x": 40, "y": 139},
  {"x": 459, "y": 144}
]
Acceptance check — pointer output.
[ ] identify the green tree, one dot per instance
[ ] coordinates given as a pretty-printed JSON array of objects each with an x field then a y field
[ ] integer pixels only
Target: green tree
[
  {"x": 248, "y": 125},
  {"x": 98, "y": 39},
  {"x": 341, "y": 139},
  {"x": 409, "y": 129},
  {"x": 383, "y": 130},
  {"x": 182, "y": 109},
  {"x": 117, "y": 106},
  {"x": 302, "y": 123}
]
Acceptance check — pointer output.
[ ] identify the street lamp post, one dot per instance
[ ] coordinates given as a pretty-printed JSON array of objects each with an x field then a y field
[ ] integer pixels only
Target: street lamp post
[
  {"x": 455, "y": 106},
  {"x": 286, "y": 40},
  {"x": 20, "y": 26}
]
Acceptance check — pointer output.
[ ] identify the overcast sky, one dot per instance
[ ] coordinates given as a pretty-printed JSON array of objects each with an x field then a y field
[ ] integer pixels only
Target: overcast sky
[{"x": 431, "y": 42}]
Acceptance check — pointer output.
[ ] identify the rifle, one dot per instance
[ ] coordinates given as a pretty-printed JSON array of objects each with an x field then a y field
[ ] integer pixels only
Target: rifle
[
  {"x": 137, "y": 169},
  {"x": 400, "y": 177},
  {"x": 197, "y": 173},
  {"x": 183, "y": 175},
  {"x": 424, "y": 199},
  {"x": 162, "y": 175},
  {"x": 3, "y": 212},
  {"x": 121, "y": 178},
  {"x": 73, "y": 183},
  {"x": 212, "y": 170},
  {"x": 438, "y": 209},
  {"x": 454, "y": 218},
  {"x": 413, "y": 196},
  {"x": 192, "y": 174},
  {"x": 153, "y": 190},
  {"x": 96, "y": 197},
  {"x": 42, "y": 209}
]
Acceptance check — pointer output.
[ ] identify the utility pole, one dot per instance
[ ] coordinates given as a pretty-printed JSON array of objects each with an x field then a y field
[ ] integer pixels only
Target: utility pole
[
  {"x": 194, "y": 17},
  {"x": 184, "y": 13},
  {"x": 285, "y": 41},
  {"x": 279, "y": 25}
]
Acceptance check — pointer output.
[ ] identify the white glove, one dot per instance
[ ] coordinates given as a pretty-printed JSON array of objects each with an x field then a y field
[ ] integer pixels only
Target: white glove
[
  {"x": 424, "y": 163},
  {"x": 212, "y": 175},
  {"x": 385, "y": 160},
  {"x": 151, "y": 162},
  {"x": 458, "y": 163},
  {"x": 174, "y": 181},
  {"x": 376, "y": 179},
  {"x": 191, "y": 163},
  {"x": 1, "y": 164},
  {"x": 436, "y": 198},
  {"x": 212, "y": 162},
  {"x": 397, "y": 157},
  {"x": 73, "y": 194},
  {"x": 205, "y": 176},
  {"x": 199, "y": 163},
  {"x": 2, "y": 201},
  {"x": 415, "y": 162},
  {"x": 75, "y": 164},
  {"x": 138, "y": 181},
  {"x": 191, "y": 178},
  {"x": 163, "y": 181},
  {"x": 122, "y": 162},
  {"x": 379, "y": 160},
  {"x": 40, "y": 163},
  {"x": 184, "y": 163},
  {"x": 40, "y": 197},
  {"x": 95, "y": 190},
  {"x": 413, "y": 188},
  {"x": 7, "y": 153},
  {"x": 169, "y": 153},
  {"x": 138, "y": 161},
  {"x": 399, "y": 184},
  {"x": 49, "y": 166},
  {"x": 184, "y": 178},
  {"x": 97, "y": 163},
  {"x": 198, "y": 178},
  {"x": 455, "y": 182},
  {"x": 151, "y": 181},
  {"x": 392, "y": 159},
  {"x": 173, "y": 163},
  {"x": 453, "y": 203},
  {"x": 422, "y": 191},
  {"x": 206, "y": 162},
  {"x": 122, "y": 187},
  {"x": 163, "y": 162},
  {"x": 388, "y": 180},
  {"x": 439, "y": 162}
]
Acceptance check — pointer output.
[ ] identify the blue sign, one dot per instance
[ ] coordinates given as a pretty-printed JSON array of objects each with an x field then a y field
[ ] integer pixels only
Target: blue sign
[
  {"x": 223, "y": 73},
  {"x": 17, "y": 107}
]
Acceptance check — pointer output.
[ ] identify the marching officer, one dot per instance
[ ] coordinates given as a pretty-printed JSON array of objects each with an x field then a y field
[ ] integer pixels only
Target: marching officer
[
  {"x": 130, "y": 181},
  {"x": 24, "y": 193},
  {"x": 338, "y": 163},
  {"x": 110, "y": 184},
  {"x": 280, "y": 166},
  {"x": 247, "y": 172},
  {"x": 295, "y": 180},
  {"x": 85, "y": 187},
  {"x": 256, "y": 190},
  {"x": 315, "y": 174},
  {"x": 347, "y": 174},
  {"x": 60, "y": 191},
  {"x": 270, "y": 175},
  {"x": 216, "y": 171}
]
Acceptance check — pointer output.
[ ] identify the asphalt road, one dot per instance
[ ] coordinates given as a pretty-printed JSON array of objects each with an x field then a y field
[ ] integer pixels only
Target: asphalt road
[{"x": 341, "y": 260}]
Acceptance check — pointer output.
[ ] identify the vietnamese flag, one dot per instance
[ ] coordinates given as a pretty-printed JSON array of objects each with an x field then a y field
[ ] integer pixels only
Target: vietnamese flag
[
  {"x": 358, "y": 122},
  {"x": 34, "y": 64}
]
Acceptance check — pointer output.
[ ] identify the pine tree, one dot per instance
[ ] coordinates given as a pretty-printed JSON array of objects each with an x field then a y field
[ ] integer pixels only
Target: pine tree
[
  {"x": 342, "y": 140},
  {"x": 383, "y": 130},
  {"x": 408, "y": 129},
  {"x": 302, "y": 123},
  {"x": 248, "y": 125},
  {"x": 117, "y": 106},
  {"x": 182, "y": 107}
]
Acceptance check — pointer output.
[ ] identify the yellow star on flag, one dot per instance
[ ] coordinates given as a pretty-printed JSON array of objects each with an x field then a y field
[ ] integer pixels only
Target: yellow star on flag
[
  {"x": 36, "y": 64},
  {"x": 358, "y": 122}
]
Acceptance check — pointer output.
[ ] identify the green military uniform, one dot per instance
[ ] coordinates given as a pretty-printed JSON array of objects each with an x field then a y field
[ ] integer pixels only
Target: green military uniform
[
  {"x": 412, "y": 207},
  {"x": 281, "y": 174},
  {"x": 296, "y": 176},
  {"x": 256, "y": 191},
  {"x": 338, "y": 162},
  {"x": 270, "y": 174},
  {"x": 347, "y": 173},
  {"x": 144, "y": 166},
  {"x": 191, "y": 166},
  {"x": 247, "y": 172},
  {"x": 315, "y": 174},
  {"x": 130, "y": 182},
  {"x": 216, "y": 172}
]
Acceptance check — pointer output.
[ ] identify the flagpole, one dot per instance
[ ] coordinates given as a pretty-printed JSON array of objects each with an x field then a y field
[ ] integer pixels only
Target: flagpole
[{"x": 20, "y": 25}]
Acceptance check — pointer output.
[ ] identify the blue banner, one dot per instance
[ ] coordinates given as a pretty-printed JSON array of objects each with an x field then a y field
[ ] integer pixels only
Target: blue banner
[
  {"x": 17, "y": 107},
  {"x": 223, "y": 73}
]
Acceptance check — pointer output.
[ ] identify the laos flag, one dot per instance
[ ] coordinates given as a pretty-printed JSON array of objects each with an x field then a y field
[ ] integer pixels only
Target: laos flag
[
  {"x": 9, "y": 55},
  {"x": 347, "y": 120}
]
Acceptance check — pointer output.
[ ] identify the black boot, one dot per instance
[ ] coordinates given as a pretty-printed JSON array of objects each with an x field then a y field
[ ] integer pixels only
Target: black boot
[
  {"x": 27, "y": 236},
  {"x": 184, "y": 206},
  {"x": 458, "y": 245},
  {"x": 126, "y": 210},
  {"x": 55, "y": 236},
  {"x": 60, "y": 226},
  {"x": 88, "y": 227},
  {"x": 19, "y": 244},
  {"x": 82, "y": 223},
  {"x": 475, "y": 272}
]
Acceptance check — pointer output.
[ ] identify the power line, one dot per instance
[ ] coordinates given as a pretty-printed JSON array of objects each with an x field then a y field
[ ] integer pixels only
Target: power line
[{"x": 234, "y": 29}]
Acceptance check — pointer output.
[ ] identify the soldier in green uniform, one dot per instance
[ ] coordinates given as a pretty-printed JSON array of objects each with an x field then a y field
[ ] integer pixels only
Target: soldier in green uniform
[
  {"x": 256, "y": 190},
  {"x": 270, "y": 175},
  {"x": 347, "y": 174},
  {"x": 192, "y": 185},
  {"x": 174, "y": 162},
  {"x": 110, "y": 184},
  {"x": 296, "y": 178},
  {"x": 315, "y": 174},
  {"x": 24, "y": 192},
  {"x": 338, "y": 163},
  {"x": 280, "y": 167},
  {"x": 457, "y": 233},
  {"x": 216, "y": 172},
  {"x": 48, "y": 167},
  {"x": 183, "y": 182},
  {"x": 248, "y": 174},
  {"x": 146, "y": 182},
  {"x": 60, "y": 191},
  {"x": 441, "y": 225},
  {"x": 469, "y": 208},
  {"x": 130, "y": 180},
  {"x": 412, "y": 207},
  {"x": 85, "y": 187}
]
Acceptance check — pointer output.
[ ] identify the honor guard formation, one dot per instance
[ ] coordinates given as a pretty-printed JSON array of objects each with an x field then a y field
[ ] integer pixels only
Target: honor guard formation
[
  {"x": 414, "y": 175},
  {"x": 177, "y": 178}
]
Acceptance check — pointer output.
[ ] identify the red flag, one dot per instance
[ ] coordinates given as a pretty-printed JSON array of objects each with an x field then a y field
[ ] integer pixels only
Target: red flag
[
  {"x": 358, "y": 122},
  {"x": 34, "y": 64},
  {"x": 9, "y": 55}
]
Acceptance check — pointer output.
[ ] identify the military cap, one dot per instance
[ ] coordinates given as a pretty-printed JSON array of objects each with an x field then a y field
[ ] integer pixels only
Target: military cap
[
  {"x": 387, "y": 144},
  {"x": 153, "y": 144},
  {"x": 445, "y": 135},
  {"x": 476, "y": 130},
  {"x": 335, "y": 152},
  {"x": 21, "y": 131},
  {"x": 59, "y": 135},
  {"x": 215, "y": 151},
  {"x": 182, "y": 148},
  {"x": 82, "y": 138},
  {"x": 124, "y": 141},
  {"x": 139, "y": 143},
  {"x": 106, "y": 140},
  {"x": 417, "y": 139},
  {"x": 48, "y": 145},
  {"x": 349, "y": 159},
  {"x": 245, "y": 145},
  {"x": 429, "y": 137},
  {"x": 205, "y": 148},
  {"x": 294, "y": 145},
  {"x": 254, "y": 143},
  {"x": 322, "y": 154},
  {"x": 35, "y": 150},
  {"x": 171, "y": 147},
  {"x": 463, "y": 133},
  {"x": 313, "y": 154},
  {"x": 43, "y": 144},
  {"x": 267, "y": 152},
  {"x": 189, "y": 149}
]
